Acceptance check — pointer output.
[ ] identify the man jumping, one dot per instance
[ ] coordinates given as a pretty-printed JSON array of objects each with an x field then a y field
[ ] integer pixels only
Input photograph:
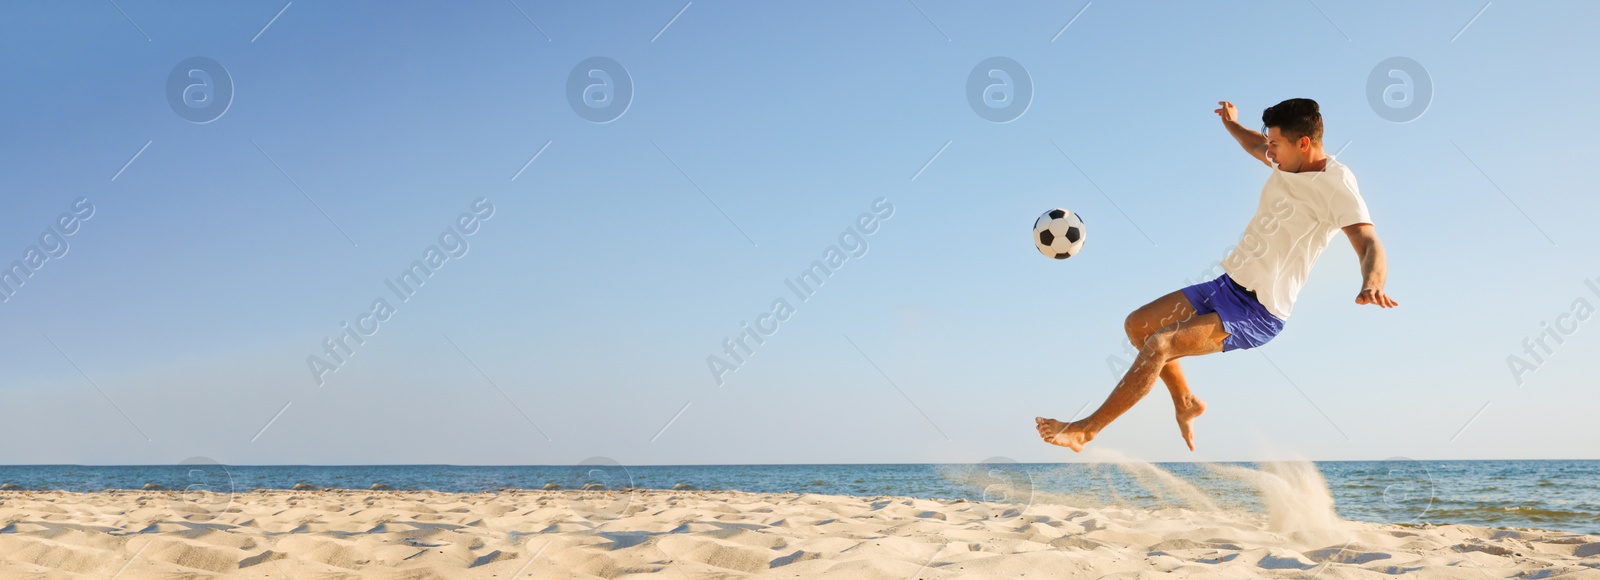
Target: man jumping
[{"x": 1308, "y": 197}]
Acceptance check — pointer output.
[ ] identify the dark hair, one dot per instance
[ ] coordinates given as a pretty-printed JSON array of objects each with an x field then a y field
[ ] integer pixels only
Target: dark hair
[{"x": 1295, "y": 118}]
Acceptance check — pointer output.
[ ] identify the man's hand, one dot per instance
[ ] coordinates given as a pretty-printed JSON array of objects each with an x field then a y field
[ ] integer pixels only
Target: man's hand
[
  {"x": 1253, "y": 142},
  {"x": 1227, "y": 112},
  {"x": 1375, "y": 296},
  {"x": 1374, "y": 264}
]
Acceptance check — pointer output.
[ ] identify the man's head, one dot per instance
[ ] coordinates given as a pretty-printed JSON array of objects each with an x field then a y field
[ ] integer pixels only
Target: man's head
[{"x": 1294, "y": 133}]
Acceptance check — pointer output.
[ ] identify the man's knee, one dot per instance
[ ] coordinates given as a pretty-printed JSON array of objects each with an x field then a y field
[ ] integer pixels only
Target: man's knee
[
  {"x": 1140, "y": 329},
  {"x": 1137, "y": 327},
  {"x": 1159, "y": 344},
  {"x": 1150, "y": 318}
]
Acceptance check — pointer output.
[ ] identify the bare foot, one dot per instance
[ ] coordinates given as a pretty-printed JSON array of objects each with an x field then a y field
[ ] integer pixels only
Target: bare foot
[
  {"x": 1187, "y": 412},
  {"x": 1070, "y": 435}
]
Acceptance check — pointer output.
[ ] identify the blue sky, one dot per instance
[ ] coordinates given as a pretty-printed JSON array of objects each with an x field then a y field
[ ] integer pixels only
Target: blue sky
[{"x": 220, "y": 255}]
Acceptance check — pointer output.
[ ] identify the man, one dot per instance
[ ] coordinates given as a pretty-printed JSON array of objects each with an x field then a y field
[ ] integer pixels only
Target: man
[{"x": 1308, "y": 197}]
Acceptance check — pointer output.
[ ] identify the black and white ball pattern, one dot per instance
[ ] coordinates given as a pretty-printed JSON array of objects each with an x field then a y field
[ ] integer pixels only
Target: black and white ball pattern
[{"x": 1058, "y": 234}]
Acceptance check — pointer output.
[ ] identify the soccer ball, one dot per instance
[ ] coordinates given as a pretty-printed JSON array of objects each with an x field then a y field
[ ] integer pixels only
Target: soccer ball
[{"x": 1058, "y": 234}]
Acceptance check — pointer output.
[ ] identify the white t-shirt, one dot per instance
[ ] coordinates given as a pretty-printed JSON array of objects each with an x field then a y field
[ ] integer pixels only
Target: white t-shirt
[{"x": 1298, "y": 215}]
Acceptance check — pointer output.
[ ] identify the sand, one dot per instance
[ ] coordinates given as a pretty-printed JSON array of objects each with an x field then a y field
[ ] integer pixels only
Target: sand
[{"x": 719, "y": 534}]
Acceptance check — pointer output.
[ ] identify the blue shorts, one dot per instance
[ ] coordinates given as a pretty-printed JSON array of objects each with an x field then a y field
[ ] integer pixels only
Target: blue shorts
[{"x": 1248, "y": 323}]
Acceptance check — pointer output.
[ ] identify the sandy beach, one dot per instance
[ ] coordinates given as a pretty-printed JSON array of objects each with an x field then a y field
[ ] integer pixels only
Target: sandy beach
[{"x": 717, "y": 534}]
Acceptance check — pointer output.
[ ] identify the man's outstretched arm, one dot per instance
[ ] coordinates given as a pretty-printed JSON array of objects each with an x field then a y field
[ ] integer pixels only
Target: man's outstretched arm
[
  {"x": 1374, "y": 265},
  {"x": 1253, "y": 142}
]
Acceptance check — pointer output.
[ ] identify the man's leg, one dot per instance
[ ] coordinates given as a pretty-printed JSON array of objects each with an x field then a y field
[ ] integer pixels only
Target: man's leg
[
  {"x": 1140, "y": 325},
  {"x": 1197, "y": 335}
]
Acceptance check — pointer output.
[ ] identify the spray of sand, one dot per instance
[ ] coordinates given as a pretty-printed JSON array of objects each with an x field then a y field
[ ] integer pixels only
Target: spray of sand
[
  {"x": 1169, "y": 488},
  {"x": 1294, "y": 493},
  {"x": 1295, "y": 496}
]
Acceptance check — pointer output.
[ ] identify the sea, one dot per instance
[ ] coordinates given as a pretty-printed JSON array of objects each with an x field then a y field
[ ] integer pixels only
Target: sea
[{"x": 1546, "y": 494}]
